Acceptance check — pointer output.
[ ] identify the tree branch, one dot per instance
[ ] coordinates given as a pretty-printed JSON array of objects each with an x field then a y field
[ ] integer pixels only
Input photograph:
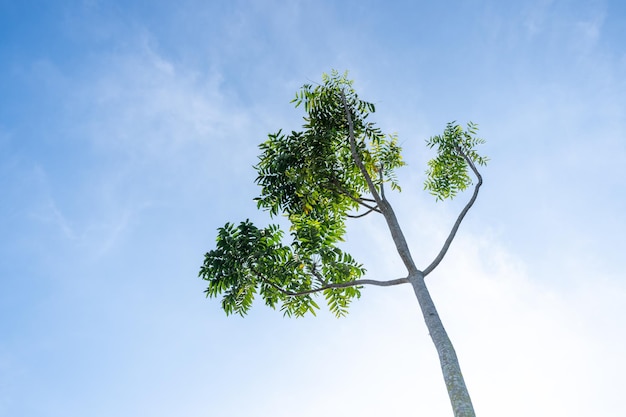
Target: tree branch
[
  {"x": 358, "y": 200},
  {"x": 356, "y": 216},
  {"x": 355, "y": 154},
  {"x": 382, "y": 183},
  {"x": 361, "y": 202},
  {"x": 455, "y": 228},
  {"x": 389, "y": 283},
  {"x": 384, "y": 206}
]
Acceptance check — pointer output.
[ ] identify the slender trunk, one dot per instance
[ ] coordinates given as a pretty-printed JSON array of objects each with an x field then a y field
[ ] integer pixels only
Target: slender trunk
[
  {"x": 457, "y": 391},
  {"x": 455, "y": 384},
  {"x": 398, "y": 237}
]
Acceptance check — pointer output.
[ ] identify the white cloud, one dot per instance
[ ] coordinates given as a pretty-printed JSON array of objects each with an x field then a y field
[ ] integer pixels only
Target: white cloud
[
  {"x": 142, "y": 102},
  {"x": 527, "y": 343}
]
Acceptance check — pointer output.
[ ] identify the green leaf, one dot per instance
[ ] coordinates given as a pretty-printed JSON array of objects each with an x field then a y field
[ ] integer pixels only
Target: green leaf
[
  {"x": 447, "y": 173},
  {"x": 311, "y": 178}
]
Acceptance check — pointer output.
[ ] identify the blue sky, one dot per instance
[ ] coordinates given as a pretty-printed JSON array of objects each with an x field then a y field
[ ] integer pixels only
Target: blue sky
[{"x": 128, "y": 131}]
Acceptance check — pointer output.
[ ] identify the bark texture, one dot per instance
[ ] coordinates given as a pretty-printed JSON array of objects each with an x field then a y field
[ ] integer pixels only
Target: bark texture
[{"x": 455, "y": 384}]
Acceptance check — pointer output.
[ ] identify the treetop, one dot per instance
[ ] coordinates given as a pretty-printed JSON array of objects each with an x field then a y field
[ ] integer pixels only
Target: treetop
[{"x": 335, "y": 168}]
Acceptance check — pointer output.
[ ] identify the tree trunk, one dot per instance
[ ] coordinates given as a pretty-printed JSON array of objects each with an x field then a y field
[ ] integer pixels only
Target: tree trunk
[{"x": 457, "y": 391}]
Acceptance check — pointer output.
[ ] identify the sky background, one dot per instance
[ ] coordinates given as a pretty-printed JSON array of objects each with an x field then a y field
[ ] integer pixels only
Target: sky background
[{"x": 128, "y": 132}]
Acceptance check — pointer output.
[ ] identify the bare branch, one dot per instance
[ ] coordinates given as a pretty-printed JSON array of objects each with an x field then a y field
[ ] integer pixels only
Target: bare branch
[
  {"x": 455, "y": 228},
  {"x": 360, "y": 201},
  {"x": 356, "y": 216},
  {"x": 389, "y": 283}
]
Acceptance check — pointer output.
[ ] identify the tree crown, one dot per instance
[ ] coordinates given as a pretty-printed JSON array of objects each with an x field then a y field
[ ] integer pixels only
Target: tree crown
[{"x": 336, "y": 166}]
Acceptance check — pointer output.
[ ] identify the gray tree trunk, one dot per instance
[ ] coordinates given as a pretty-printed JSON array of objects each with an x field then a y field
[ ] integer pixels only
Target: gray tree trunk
[{"x": 455, "y": 384}]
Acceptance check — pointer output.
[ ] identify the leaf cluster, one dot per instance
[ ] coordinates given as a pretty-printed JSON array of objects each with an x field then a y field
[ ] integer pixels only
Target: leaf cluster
[
  {"x": 315, "y": 167},
  {"x": 249, "y": 261},
  {"x": 311, "y": 178},
  {"x": 447, "y": 173}
]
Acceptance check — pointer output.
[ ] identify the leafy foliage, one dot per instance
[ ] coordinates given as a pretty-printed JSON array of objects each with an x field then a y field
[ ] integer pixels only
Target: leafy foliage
[
  {"x": 311, "y": 178},
  {"x": 315, "y": 168},
  {"x": 448, "y": 172},
  {"x": 317, "y": 178},
  {"x": 248, "y": 260}
]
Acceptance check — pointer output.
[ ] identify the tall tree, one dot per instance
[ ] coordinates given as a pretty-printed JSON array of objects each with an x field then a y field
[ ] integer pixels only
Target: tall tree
[{"x": 337, "y": 168}]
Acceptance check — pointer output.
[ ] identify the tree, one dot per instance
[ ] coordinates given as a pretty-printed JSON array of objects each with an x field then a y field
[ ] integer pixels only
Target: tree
[{"x": 337, "y": 168}]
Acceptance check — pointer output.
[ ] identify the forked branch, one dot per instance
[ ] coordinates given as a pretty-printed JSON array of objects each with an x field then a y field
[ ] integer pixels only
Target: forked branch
[{"x": 457, "y": 224}]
